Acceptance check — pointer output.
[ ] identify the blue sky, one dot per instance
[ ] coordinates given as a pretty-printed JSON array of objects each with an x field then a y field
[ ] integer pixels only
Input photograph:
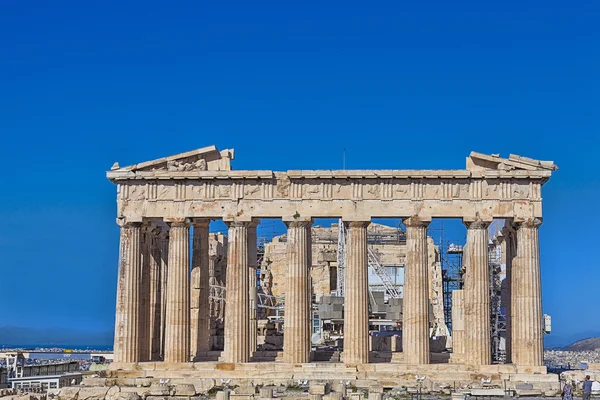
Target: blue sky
[{"x": 398, "y": 84}]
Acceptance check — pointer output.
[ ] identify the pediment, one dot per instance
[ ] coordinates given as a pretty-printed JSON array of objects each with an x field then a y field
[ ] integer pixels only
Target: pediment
[
  {"x": 204, "y": 159},
  {"x": 479, "y": 161}
]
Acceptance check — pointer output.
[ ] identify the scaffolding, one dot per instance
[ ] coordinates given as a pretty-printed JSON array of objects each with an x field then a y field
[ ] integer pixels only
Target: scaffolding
[
  {"x": 374, "y": 263},
  {"x": 497, "y": 311}
]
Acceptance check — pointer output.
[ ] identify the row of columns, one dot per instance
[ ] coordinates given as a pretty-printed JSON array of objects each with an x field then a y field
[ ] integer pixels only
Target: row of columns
[
  {"x": 135, "y": 343},
  {"x": 524, "y": 333}
]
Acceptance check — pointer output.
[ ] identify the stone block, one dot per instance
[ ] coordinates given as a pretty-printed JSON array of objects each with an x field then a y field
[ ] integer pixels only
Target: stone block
[
  {"x": 375, "y": 396},
  {"x": 185, "y": 389},
  {"x": 92, "y": 393},
  {"x": 69, "y": 393},
  {"x": 247, "y": 390},
  {"x": 266, "y": 393},
  {"x": 357, "y": 396},
  {"x": 127, "y": 396},
  {"x": 318, "y": 388},
  {"x": 375, "y": 389},
  {"x": 156, "y": 390},
  {"x": 524, "y": 386},
  {"x": 203, "y": 385},
  {"x": 94, "y": 382},
  {"x": 234, "y": 396},
  {"x": 223, "y": 395}
]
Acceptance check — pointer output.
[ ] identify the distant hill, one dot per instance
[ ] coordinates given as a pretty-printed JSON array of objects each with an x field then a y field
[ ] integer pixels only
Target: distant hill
[{"x": 588, "y": 344}]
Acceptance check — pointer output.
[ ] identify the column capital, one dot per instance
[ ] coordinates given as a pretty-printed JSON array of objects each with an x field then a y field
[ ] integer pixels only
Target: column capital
[
  {"x": 300, "y": 222},
  {"x": 356, "y": 224},
  {"x": 125, "y": 223},
  {"x": 238, "y": 224},
  {"x": 476, "y": 223},
  {"x": 177, "y": 221},
  {"x": 528, "y": 223},
  {"x": 200, "y": 222},
  {"x": 416, "y": 221}
]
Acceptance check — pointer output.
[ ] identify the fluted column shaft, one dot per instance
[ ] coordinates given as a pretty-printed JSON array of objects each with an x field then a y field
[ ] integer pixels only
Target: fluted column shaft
[
  {"x": 296, "y": 339},
  {"x": 356, "y": 301},
  {"x": 200, "y": 308},
  {"x": 164, "y": 264},
  {"x": 252, "y": 292},
  {"x": 154, "y": 321},
  {"x": 177, "y": 330},
  {"x": 128, "y": 294},
  {"x": 415, "y": 306},
  {"x": 477, "y": 296},
  {"x": 458, "y": 326},
  {"x": 237, "y": 305},
  {"x": 510, "y": 248},
  {"x": 527, "y": 335},
  {"x": 144, "y": 328}
]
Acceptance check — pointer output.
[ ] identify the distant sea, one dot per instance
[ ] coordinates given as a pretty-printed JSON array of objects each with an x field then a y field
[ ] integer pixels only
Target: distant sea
[{"x": 57, "y": 346}]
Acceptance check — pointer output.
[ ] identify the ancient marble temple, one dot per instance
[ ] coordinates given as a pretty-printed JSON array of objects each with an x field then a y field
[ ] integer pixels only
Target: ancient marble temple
[{"x": 164, "y": 209}]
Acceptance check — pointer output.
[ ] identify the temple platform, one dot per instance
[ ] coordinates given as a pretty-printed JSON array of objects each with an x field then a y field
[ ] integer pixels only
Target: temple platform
[{"x": 438, "y": 378}]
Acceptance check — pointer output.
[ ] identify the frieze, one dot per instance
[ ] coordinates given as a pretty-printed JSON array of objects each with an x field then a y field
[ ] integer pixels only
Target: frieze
[{"x": 330, "y": 189}]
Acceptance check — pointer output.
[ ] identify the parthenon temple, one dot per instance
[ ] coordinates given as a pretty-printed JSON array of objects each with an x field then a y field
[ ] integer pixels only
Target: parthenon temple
[{"x": 170, "y": 265}]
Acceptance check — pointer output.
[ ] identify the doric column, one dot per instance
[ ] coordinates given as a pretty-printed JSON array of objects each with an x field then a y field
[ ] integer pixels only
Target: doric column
[
  {"x": 144, "y": 329},
  {"x": 356, "y": 301},
  {"x": 458, "y": 326},
  {"x": 177, "y": 330},
  {"x": 527, "y": 335},
  {"x": 128, "y": 293},
  {"x": 164, "y": 264},
  {"x": 200, "y": 309},
  {"x": 296, "y": 338},
  {"x": 154, "y": 322},
  {"x": 477, "y": 294},
  {"x": 510, "y": 251},
  {"x": 415, "y": 306},
  {"x": 237, "y": 307},
  {"x": 252, "y": 292}
]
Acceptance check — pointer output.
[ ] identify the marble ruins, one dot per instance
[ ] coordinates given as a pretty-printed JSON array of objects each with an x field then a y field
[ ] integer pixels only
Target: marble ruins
[{"x": 163, "y": 311}]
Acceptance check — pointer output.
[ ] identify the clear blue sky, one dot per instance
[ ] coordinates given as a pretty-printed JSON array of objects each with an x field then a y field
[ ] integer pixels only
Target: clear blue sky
[{"x": 398, "y": 84}]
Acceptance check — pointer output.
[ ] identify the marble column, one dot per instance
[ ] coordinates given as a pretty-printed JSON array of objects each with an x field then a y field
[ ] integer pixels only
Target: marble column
[
  {"x": 356, "y": 301},
  {"x": 200, "y": 309},
  {"x": 237, "y": 307},
  {"x": 477, "y": 294},
  {"x": 458, "y": 326},
  {"x": 164, "y": 263},
  {"x": 510, "y": 251},
  {"x": 296, "y": 339},
  {"x": 154, "y": 321},
  {"x": 144, "y": 321},
  {"x": 252, "y": 292},
  {"x": 527, "y": 334},
  {"x": 128, "y": 294},
  {"x": 177, "y": 329},
  {"x": 415, "y": 305}
]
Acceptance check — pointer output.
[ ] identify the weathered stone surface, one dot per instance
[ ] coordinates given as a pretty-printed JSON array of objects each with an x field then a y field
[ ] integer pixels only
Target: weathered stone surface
[
  {"x": 92, "y": 393},
  {"x": 184, "y": 390},
  {"x": 318, "y": 388},
  {"x": 247, "y": 390},
  {"x": 266, "y": 393},
  {"x": 69, "y": 393}
]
